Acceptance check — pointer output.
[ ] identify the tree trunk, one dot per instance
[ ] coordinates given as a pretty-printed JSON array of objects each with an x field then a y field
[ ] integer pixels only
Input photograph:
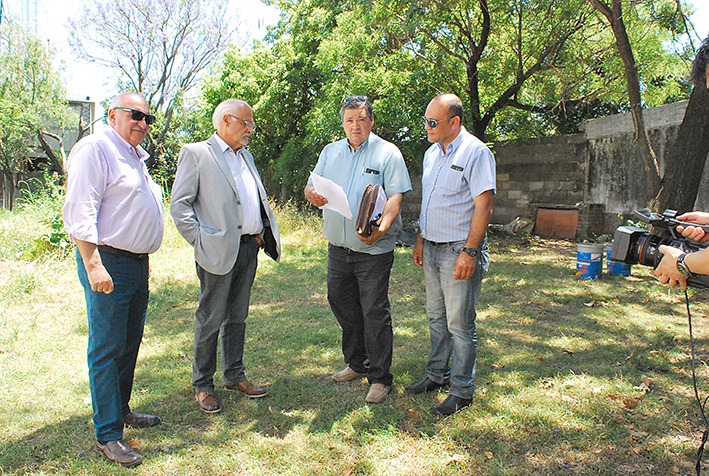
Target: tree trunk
[
  {"x": 615, "y": 18},
  {"x": 8, "y": 190},
  {"x": 685, "y": 160},
  {"x": 57, "y": 161}
]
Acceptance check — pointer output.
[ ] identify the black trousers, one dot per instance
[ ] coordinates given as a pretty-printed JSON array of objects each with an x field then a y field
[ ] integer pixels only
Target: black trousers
[{"x": 358, "y": 293}]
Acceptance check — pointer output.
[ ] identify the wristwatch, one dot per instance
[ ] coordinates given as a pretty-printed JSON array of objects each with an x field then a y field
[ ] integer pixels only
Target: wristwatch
[
  {"x": 471, "y": 251},
  {"x": 682, "y": 267}
]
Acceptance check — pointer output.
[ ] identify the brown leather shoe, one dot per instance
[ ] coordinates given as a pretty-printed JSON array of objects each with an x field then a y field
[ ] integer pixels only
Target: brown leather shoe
[
  {"x": 208, "y": 401},
  {"x": 140, "y": 420},
  {"x": 248, "y": 389},
  {"x": 346, "y": 374},
  {"x": 377, "y": 393},
  {"x": 120, "y": 452}
]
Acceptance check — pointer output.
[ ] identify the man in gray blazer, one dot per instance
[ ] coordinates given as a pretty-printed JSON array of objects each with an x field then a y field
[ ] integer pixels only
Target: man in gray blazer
[{"x": 220, "y": 207}]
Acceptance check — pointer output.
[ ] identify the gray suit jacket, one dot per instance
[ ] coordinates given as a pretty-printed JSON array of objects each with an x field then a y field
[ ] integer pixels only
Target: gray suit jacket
[{"x": 206, "y": 207}]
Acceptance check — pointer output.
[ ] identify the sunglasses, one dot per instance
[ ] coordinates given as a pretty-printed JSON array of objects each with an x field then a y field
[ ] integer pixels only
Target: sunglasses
[
  {"x": 433, "y": 124},
  {"x": 352, "y": 98},
  {"x": 138, "y": 115}
]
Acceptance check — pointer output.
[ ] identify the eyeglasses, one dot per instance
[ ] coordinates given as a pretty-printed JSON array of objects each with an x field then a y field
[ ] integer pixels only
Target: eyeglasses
[
  {"x": 248, "y": 124},
  {"x": 433, "y": 124},
  {"x": 137, "y": 115},
  {"x": 352, "y": 98}
]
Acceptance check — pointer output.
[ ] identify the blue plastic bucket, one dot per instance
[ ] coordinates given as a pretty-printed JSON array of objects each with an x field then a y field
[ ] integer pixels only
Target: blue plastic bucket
[
  {"x": 615, "y": 267},
  {"x": 589, "y": 260}
]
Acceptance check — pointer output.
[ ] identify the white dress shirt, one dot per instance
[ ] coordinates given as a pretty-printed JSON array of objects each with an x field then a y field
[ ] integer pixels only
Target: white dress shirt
[{"x": 248, "y": 190}]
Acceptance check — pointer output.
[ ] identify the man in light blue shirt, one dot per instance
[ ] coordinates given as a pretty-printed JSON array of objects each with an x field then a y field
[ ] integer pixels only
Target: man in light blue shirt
[
  {"x": 458, "y": 186},
  {"x": 359, "y": 267}
]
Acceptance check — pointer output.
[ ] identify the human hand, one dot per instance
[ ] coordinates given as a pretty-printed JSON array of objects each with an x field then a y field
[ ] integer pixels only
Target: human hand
[
  {"x": 693, "y": 232},
  {"x": 314, "y": 197},
  {"x": 100, "y": 280},
  {"x": 666, "y": 271},
  {"x": 376, "y": 234},
  {"x": 464, "y": 266},
  {"x": 418, "y": 253}
]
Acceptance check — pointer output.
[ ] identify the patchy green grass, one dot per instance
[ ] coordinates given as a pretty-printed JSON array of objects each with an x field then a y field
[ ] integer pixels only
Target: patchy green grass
[{"x": 560, "y": 368}]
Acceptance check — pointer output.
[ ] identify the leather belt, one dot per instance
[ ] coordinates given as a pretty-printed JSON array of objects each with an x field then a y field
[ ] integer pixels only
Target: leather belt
[
  {"x": 127, "y": 254},
  {"x": 247, "y": 238},
  {"x": 440, "y": 243}
]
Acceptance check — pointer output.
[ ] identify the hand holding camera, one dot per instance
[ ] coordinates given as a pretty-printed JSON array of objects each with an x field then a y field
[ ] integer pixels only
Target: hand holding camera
[
  {"x": 699, "y": 234},
  {"x": 666, "y": 248}
]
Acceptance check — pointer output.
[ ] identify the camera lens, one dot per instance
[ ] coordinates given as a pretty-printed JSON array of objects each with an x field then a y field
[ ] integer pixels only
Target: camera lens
[{"x": 647, "y": 249}]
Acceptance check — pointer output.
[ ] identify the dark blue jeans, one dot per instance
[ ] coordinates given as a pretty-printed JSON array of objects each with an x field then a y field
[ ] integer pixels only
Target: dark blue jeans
[
  {"x": 116, "y": 322},
  {"x": 358, "y": 292},
  {"x": 221, "y": 315}
]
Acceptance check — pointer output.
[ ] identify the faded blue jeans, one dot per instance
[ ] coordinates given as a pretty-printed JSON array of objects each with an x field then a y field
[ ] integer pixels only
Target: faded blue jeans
[
  {"x": 450, "y": 305},
  {"x": 116, "y": 322}
]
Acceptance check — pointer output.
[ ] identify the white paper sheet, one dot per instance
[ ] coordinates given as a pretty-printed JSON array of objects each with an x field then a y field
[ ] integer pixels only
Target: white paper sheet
[{"x": 336, "y": 198}]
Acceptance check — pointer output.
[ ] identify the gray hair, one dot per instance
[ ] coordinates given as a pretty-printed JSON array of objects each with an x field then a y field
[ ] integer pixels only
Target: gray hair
[
  {"x": 118, "y": 100},
  {"x": 226, "y": 107}
]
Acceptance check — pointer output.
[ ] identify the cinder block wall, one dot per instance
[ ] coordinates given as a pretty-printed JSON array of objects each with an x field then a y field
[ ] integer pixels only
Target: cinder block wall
[{"x": 549, "y": 172}]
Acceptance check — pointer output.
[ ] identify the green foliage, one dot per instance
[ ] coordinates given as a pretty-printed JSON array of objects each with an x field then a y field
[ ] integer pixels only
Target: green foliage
[
  {"x": 188, "y": 124},
  {"x": 559, "y": 383},
  {"x": 46, "y": 198},
  {"x": 31, "y": 94},
  {"x": 523, "y": 69}
]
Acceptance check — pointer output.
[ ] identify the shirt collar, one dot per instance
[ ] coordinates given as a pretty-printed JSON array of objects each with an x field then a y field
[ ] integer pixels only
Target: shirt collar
[
  {"x": 223, "y": 146},
  {"x": 455, "y": 143},
  {"x": 363, "y": 146},
  {"x": 137, "y": 152}
]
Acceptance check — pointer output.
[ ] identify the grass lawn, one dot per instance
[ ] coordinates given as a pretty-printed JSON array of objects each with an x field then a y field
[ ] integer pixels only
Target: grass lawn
[{"x": 561, "y": 366}]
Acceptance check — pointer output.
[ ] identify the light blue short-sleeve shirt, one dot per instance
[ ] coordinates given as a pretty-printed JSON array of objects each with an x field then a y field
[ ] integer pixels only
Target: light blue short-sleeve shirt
[
  {"x": 376, "y": 162},
  {"x": 451, "y": 181}
]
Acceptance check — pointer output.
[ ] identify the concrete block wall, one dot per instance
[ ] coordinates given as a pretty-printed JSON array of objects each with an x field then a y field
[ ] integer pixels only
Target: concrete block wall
[{"x": 538, "y": 173}]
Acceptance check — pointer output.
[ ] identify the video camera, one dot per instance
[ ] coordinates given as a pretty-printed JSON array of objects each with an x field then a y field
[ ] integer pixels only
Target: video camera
[{"x": 633, "y": 245}]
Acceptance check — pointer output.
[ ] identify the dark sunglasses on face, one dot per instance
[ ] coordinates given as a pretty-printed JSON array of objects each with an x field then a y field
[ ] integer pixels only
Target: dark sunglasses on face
[
  {"x": 138, "y": 115},
  {"x": 433, "y": 124},
  {"x": 351, "y": 98}
]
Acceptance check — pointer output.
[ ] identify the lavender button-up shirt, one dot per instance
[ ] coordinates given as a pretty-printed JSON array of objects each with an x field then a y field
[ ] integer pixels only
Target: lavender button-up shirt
[{"x": 111, "y": 198}]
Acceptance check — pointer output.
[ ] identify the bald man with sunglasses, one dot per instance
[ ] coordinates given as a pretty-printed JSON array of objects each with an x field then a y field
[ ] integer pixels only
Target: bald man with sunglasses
[
  {"x": 113, "y": 212},
  {"x": 458, "y": 185}
]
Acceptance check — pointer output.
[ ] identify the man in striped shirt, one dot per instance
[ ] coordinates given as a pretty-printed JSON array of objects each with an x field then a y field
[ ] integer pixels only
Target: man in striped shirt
[{"x": 458, "y": 186}]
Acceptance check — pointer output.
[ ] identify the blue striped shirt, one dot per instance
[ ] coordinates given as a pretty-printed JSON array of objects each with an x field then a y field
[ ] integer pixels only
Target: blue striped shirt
[
  {"x": 376, "y": 162},
  {"x": 450, "y": 183}
]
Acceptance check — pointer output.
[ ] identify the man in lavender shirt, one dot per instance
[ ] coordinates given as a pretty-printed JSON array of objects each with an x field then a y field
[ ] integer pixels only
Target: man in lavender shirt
[{"x": 114, "y": 214}]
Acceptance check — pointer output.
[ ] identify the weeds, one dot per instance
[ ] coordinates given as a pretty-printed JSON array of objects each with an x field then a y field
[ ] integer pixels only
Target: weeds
[{"x": 561, "y": 368}]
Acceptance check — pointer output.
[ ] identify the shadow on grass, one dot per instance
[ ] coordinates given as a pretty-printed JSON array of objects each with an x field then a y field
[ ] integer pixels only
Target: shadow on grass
[{"x": 536, "y": 323}]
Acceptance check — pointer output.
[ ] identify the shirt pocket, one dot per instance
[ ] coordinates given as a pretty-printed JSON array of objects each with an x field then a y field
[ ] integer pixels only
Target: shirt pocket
[
  {"x": 372, "y": 176},
  {"x": 453, "y": 180}
]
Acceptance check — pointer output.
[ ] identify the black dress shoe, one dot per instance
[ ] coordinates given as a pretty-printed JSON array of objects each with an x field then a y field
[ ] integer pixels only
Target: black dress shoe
[
  {"x": 425, "y": 385},
  {"x": 140, "y": 420},
  {"x": 451, "y": 405}
]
